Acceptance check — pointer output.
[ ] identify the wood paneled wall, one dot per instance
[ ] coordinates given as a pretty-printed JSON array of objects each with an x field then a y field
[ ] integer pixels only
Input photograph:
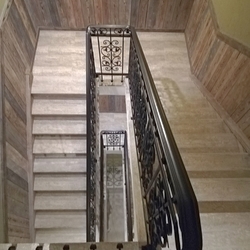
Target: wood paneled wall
[
  {"x": 222, "y": 69},
  {"x": 143, "y": 14},
  {"x": 18, "y": 46}
]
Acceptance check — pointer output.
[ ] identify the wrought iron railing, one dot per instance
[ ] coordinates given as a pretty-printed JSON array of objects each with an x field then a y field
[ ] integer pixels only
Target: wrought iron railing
[
  {"x": 171, "y": 206},
  {"x": 117, "y": 140},
  {"x": 91, "y": 139}
]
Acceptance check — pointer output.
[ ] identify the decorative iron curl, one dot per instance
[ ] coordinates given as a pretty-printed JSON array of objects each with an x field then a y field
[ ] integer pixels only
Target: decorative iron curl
[
  {"x": 162, "y": 212},
  {"x": 111, "y": 55}
]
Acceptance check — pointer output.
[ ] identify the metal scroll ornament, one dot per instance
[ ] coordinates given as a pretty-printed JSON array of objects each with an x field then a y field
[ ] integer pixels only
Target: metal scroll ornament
[
  {"x": 158, "y": 194},
  {"x": 111, "y": 55}
]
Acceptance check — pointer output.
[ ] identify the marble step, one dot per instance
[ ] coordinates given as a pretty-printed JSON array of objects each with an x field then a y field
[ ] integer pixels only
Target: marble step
[
  {"x": 59, "y": 145},
  {"x": 216, "y": 161},
  {"x": 60, "y": 71},
  {"x": 225, "y": 231},
  {"x": 60, "y": 201},
  {"x": 61, "y": 49},
  {"x": 64, "y": 235},
  {"x": 60, "y": 219},
  {"x": 59, "y": 126},
  {"x": 57, "y": 84},
  {"x": 221, "y": 189},
  {"x": 61, "y": 164},
  {"x": 59, "y": 106},
  {"x": 202, "y": 126},
  {"x": 182, "y": 114},
  {"x": 54, "y": 60},
  {"x": 207, "y": 143},
  {"x": 60, "y": 182}
]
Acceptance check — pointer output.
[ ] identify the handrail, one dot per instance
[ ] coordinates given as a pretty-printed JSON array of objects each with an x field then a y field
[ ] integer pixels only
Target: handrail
[
  {"x": 91, "y": 140},
  {"x": 117, "y": 140},
  {"x": 171, "y": 205},
  {"x": 184, "y": 197}
]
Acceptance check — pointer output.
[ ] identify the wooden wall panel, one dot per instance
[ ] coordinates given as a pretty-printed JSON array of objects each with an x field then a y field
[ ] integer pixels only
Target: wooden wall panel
[
  {"x": 221, "y": 68},
  {"x": 165, "y": 15},
  {"x": 19, "y": 39}
]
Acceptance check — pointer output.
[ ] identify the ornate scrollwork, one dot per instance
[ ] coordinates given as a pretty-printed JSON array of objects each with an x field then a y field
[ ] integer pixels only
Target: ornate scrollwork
[
  {"x": 160, "y": 222},
  {"x": 111, "y": 55},
  {"x": 93, "y": 123},
  {"x": 158, "y": 190}
]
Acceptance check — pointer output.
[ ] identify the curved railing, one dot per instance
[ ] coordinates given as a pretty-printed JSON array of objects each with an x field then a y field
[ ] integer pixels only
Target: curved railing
[
  {"x": 171, "y": 203},
  {"x": 91, "y": 140},
  {"x": 171, "y": 207}
]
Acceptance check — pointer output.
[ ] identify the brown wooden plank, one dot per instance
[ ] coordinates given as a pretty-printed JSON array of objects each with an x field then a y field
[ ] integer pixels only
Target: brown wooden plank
[
  {"x": 19, "y": 42},
  {"x": 53, "y": 12},
  {"x": 142, "y": 14},
  {"x": 14, "y": 139},
  {"x": 161, "y": 15},
  {"x": 237, "y": 88},
  {"x": 62, "y": 14},
  {"x": 134, "y": 12},
  {"x": 247, "y": 132},
  {"x": 124, "y": 11},
  {"x": 26, "y": 20},
  {"x": 13, "y": 117},
  {"x": 98, "y": 11},
  {"x": 15, "y": 105},
  {"x": 152, "y": 15},
  {"x": 244, "y": 122},
  {"x": 16, "y": 159},
  {"x": 242, "y": 109},
  {"x": 35, "y": 14},
  {"x": 183, "y": 13},
  {"x": 77, "y": 9},
  {"x": 68, "y": 9}
]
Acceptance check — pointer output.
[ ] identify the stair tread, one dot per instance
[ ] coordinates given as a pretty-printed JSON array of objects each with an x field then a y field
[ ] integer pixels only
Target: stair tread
[
  {"x": 221, "y": 189},
  {"x": 232, "y": 229},
  {"x": 60, "y": 182},
  {"x": 64, "y": 70},
  {"x": 207, "y": 143},
  {"x": 71, "y": 235},
  {"x": 60, "y": 164},
  {"x": 184, "y": 115},
  {"x": 73, "y": 106},
  {"x": 202, "y": 126},
  {"x": 57, "y": 84},
  {"x": 216, "y": 161},
  {"x": 59, "y": 145},
  {"x": 60, "y": 219},
  {"x": 59, "y": 126},
  {"x": 60, "y": 201}
]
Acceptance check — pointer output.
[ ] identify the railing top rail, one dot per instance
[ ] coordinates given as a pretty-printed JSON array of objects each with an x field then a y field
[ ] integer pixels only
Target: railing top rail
[
  {"x": 187, "y": 201},
  {"x": 184, "y": 196}
]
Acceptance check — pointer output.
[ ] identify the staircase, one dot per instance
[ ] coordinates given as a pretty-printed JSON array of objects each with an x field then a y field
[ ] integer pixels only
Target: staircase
[
  {"x": 59, "y": 132},
  {"x": 217, "y": 165}
]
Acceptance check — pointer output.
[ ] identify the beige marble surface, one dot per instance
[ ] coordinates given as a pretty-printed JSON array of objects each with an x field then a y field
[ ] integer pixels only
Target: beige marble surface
[{"x": 207, "y": 146}]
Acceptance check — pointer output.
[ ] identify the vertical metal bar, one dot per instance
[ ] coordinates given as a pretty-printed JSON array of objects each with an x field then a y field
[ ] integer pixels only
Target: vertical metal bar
[
  {"x": 88, "y": 99},
  {"x": 102, "y": 190},
  {"x": 122, "y": 54},
  {"x": 100, "y": 58},
  {"x": 111, "y": 55}
]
